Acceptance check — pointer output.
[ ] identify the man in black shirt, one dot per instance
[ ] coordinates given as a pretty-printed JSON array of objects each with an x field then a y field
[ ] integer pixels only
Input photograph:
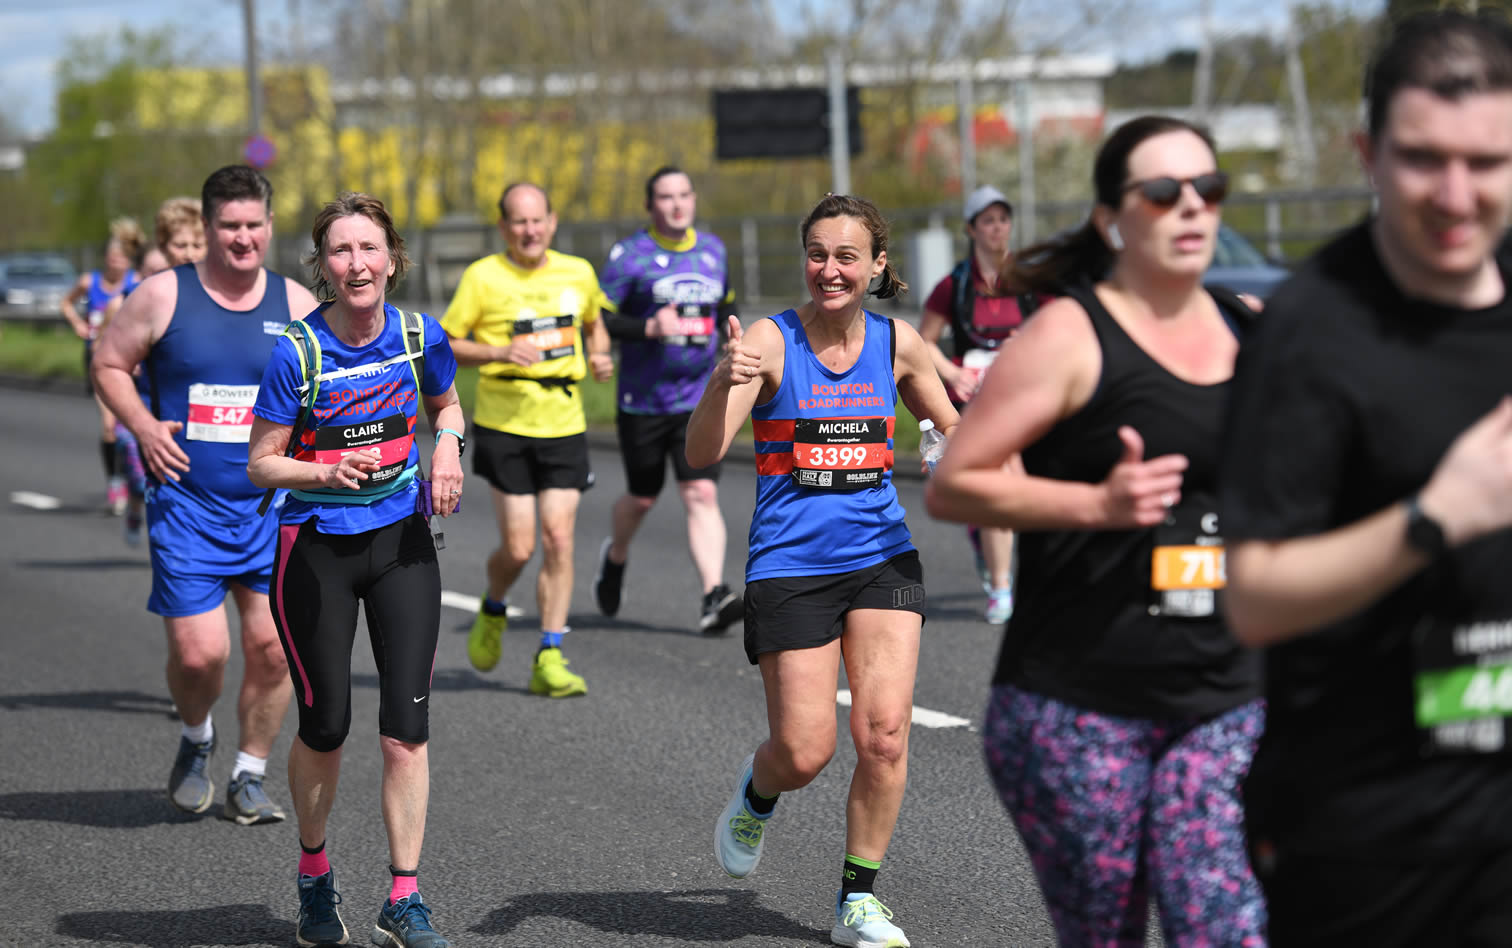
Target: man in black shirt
[{"x": 1366, "y": 497}]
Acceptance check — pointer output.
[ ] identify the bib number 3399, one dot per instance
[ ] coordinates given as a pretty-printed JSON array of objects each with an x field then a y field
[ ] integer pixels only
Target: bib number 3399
[{"x": 840, "y": 453}]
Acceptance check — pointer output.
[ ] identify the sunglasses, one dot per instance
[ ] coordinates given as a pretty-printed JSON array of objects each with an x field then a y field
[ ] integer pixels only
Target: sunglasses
[{"x": 1166, "y": 192}]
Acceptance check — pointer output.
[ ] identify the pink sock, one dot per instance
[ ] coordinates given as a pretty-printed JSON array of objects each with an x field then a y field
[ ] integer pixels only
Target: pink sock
[
  {"x": 313, "y": 864},
  {"x": 404, "y": 886}
]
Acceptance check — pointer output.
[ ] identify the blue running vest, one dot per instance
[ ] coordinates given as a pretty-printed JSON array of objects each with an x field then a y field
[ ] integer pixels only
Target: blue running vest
[
  {"x": 204, "y": 372},
  {"x": 825, "y": 501}
]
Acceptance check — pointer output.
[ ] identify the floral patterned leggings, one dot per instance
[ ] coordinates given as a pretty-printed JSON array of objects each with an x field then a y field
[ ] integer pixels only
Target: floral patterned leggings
[{"x": 1112, "y": 807}]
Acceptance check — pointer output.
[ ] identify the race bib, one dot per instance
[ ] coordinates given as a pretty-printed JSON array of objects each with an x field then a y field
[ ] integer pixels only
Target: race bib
[
  {"x": 1462, "y": 686},
  {"x": 391, "y": 436},
  {"x": 220, "y": 413},
  {"x": 1187, "y": 567},
  {"x": 978, "y": 359},
  {"x": 840, "y": 453},
  {"x": 695, "y": 326},
  {"x": 553, "y": 335}
]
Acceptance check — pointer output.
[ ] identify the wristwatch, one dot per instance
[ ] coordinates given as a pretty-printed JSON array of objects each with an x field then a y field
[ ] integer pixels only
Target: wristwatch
[
  {"x": 461, "y": 441},
  {"x": 1424, "y": 534}
]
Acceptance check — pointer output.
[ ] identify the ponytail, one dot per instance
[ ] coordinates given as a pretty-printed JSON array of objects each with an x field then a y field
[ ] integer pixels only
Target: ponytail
[
  {"x": 889, "y": 285},
  {"x": 1078, "y": 258}
]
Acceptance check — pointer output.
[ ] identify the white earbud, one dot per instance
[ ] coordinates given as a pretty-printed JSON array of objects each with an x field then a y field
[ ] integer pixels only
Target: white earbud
[{"x": 1115, "y": 239}]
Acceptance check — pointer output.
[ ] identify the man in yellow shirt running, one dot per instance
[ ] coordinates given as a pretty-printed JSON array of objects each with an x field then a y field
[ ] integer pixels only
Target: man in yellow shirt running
[{"x": 526, "y": 316}]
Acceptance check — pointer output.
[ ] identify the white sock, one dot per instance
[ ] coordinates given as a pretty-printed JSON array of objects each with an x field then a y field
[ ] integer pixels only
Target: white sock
[
  {"x": 247, "y": 764},
  {"x": 199, "y": 734}
]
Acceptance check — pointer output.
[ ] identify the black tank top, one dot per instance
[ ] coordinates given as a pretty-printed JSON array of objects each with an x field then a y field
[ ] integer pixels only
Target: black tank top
[{"x": 1126, "y": 622}]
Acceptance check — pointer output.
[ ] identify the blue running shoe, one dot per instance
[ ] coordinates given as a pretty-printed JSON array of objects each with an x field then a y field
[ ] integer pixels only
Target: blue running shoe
[
  {"x": 406, "y": 924},
  {"x": 861, "y": 921},
  {"x": 188, "y": 785},
  {"x": 319, "y": 923},
  {"x": 739, "y": 834},
  {"x": 247, "y": 804}
]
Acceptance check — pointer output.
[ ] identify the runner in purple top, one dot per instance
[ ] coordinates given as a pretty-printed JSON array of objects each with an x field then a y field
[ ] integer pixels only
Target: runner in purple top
[{"x": 670, "y": 291}]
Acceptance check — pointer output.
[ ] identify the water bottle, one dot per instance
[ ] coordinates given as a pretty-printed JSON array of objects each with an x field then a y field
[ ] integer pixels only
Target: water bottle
[{"x": 931, "y": 444}]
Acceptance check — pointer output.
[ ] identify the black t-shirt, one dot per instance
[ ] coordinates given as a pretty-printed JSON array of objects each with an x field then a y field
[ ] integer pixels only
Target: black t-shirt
[
  {"x": 1127, "y": 622},
  {"x": 1344, "y": 402}
]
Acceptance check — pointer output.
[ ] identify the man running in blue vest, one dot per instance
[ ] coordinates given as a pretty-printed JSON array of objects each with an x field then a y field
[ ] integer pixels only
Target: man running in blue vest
[{"x": 204, "y": 332}]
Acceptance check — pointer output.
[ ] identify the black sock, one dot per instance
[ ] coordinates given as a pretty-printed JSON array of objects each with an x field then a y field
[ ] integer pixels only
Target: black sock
[
  {"x": 858, "y": 875},
  {"x": 492, "y": 608},
  {"x": 108, "y": 457},
  {"x": 758, "y": 804}
]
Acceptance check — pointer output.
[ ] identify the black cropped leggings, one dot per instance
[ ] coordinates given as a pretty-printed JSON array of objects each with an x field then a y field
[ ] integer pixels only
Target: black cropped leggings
[{"x": 318, "y": 580}]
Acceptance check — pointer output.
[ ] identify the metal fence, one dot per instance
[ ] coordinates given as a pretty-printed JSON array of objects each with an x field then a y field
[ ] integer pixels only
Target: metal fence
[
  {"x": 764, "y": 251},
  {"x": 765, "y": 258}
]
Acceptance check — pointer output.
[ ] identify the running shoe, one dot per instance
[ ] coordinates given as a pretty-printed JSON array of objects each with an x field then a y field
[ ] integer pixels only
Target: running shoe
[
  {"x": 739, "y": 834},
  {"x": 189, "y": 786},
  {"x": 999, "y": 606},
  {"x": 721, "y": 608},
  {"x": 247, "y": 804},
  {"x": 551, "y": 677},
  {"x": 483, "y": 641},
  {"x": 861, "y": 921},
  {"x": 319, "y": 922},
  {"x": 406, "y": 924},
  {"x": 609, "y": 582}
]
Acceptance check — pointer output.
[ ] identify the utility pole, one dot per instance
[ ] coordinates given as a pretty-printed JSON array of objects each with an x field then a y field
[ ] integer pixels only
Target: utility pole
[
  {"x": 1202, "y": 82},
  {"x": 839, "y": 123},
  {"x": 1023, "y": 121},
  {"x": 1296, "y": 79},
  {"x": 966, "y": 122},
  {"x": 254, "y": 87}
]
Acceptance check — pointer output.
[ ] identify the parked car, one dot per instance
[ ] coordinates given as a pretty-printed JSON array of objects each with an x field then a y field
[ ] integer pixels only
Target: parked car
[
  {"x": 1238, "y": 266},
  {"x": 33, "y": 285}
]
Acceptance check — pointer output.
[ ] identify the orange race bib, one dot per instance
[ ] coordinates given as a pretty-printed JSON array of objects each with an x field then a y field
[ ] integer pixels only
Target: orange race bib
[
  {"x": 555, "y": 336},
  {"x": 1187, "y": 566}
]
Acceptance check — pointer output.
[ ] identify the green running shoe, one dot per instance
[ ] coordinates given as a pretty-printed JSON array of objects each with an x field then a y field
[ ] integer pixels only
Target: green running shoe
[
  {"x": 483, "y": 641},
  {"x": 551, "y": 677}
]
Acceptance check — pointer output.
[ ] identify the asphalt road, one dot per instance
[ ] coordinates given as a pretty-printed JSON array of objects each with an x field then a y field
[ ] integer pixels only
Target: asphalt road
[{"x": 552, "y": 823}]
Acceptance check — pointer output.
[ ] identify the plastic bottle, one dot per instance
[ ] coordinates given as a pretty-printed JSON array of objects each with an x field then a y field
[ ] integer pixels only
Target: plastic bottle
[{"x": 931, "y": 443}]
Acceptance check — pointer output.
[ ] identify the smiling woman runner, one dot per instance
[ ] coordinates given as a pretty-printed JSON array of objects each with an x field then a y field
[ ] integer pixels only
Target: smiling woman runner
[
  {"x": 832, "y": 570},
  {"x": 335, "y": 424}
]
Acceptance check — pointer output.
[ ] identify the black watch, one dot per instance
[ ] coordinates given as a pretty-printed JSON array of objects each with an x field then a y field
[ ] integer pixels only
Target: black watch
[{"x": 1424, "y": 534}]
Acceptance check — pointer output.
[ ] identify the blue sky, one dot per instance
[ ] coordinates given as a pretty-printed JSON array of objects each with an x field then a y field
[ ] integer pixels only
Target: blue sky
[{"x": 34, "y": 34}]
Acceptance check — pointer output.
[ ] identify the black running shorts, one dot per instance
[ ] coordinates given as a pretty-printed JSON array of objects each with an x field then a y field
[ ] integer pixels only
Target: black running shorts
[
  {"x": 646, "y": 441},
  {"x": 514, "y": 464},
  {"x": 318, "y": 581},
  {"x": 794, "y": 612}
]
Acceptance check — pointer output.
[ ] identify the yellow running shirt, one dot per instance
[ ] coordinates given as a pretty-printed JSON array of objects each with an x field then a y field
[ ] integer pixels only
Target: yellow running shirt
[{"x": 498, "y": 300}]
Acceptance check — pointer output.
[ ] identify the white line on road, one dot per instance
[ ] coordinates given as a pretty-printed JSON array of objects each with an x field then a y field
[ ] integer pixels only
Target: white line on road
[
  {"x": 35, "y": 501},
  {"x": 472, "y": 603},
  {"x": 921, "y": 716}
]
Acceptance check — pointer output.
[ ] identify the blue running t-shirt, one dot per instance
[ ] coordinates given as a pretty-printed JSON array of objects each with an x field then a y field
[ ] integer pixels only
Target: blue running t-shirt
[{"x": 372, "y": 404}]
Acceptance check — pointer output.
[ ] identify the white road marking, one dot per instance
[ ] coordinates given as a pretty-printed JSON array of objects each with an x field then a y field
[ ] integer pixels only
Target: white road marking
[
  {"x": 468, "y": 603},
  {"x": 35, "y": 501},
  {"x": 921, "y": 716}
]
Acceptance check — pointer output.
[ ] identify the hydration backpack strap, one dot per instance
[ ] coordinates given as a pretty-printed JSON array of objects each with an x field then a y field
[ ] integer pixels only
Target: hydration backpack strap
[{"x": 307, "y": 348}]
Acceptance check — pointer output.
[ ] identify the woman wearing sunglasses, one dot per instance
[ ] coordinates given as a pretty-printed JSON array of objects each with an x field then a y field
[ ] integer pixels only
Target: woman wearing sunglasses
[{"x": 1123, "y": 714}]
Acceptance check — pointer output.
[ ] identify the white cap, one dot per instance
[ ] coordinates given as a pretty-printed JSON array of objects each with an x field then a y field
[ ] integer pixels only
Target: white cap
[
  {"x": 983, "y": 198},
  {"x": 926, "y": 425}
]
